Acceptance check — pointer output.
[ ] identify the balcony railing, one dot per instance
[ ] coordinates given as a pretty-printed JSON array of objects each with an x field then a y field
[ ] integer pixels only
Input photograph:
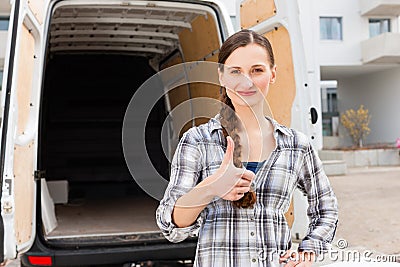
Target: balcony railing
[
  {"x": 383, "y": 48},
  {"x": 380, "y": 7}
]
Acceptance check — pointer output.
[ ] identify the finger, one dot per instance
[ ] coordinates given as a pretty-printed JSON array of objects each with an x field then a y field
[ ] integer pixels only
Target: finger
[
  {"x": 232, "y": 196},
  {"x": 248, "y": 175},
  {"x": 241, "y": 190},
  {"x": 285, "y": 256},
  {"x": 292, "y": 264},
  {"x": 243, "y": 183},
  {"x": 230, "y": 147}
]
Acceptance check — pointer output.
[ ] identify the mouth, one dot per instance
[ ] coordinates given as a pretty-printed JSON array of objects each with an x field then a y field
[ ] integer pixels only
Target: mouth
[{"x": 246, "y": 93}]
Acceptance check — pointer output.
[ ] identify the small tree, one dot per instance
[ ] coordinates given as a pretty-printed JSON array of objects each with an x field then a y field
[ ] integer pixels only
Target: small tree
[{"x": 356, "y": 122}]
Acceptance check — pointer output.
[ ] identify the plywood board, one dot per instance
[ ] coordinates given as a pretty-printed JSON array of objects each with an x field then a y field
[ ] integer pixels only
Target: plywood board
[
  {"x": 25, "y": 76},
  {"x": 106, "y": 216},
  {"x": 282, "y": 93},
  {"x": 23, "y": 192},
  {"x": 253, "y": 12},
  {"x": 24, "y": 155},
  {"x": 201, "y": 40}
]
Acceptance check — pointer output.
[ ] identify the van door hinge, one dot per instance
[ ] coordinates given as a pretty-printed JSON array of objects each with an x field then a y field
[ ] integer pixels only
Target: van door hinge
[{"x": 39, "y": 174}]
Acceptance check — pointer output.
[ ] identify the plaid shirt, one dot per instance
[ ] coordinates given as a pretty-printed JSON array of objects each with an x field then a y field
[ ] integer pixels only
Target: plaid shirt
[{"x": 229, "y": 236}]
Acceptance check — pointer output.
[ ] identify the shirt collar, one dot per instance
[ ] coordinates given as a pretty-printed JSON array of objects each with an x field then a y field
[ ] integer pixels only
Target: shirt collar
[{"x": 215, "y": 124}]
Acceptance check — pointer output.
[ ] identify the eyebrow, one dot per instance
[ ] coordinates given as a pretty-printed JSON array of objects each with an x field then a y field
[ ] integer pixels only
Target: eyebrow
[{"x": 238, "y": 67}]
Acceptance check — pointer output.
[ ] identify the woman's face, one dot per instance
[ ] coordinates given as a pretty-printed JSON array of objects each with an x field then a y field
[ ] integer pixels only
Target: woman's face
[{"x": 247, "y": 75}]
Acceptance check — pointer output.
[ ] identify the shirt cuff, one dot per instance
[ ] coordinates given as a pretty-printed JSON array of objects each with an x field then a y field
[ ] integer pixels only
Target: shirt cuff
[
  {"x": 171, "y": 231},
  {"x": 316, "y": 246}
]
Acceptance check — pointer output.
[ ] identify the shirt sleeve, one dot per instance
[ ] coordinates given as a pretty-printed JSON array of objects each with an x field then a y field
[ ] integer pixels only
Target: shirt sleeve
[
  {"x": 323, "y": 208},
  {"x": 185, "y": 173}
]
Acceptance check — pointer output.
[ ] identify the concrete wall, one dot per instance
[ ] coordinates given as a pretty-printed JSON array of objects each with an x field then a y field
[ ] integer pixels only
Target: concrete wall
[
  {"x": 348, "y": 50},
  {"x": 355, "y": 29},
  {"x": 3, "y": 42},
  {"x": 380, "y": 93}
]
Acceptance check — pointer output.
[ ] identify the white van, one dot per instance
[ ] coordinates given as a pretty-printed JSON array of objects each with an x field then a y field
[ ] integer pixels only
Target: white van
[{"x": 71, "y": 68}]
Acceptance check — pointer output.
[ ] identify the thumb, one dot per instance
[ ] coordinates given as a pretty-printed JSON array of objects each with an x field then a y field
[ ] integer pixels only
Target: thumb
[{"x": 230, "y": 147}]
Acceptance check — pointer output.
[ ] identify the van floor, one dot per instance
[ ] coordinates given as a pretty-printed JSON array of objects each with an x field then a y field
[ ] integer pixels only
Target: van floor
[{"x": 88, "y": 217}]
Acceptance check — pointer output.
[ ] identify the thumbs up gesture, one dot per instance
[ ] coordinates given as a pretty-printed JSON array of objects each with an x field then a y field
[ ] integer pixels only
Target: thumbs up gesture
[{"x": 230, "y": 182}]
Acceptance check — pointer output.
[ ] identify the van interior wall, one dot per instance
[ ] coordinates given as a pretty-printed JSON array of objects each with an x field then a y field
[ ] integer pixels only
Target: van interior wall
[{"x": 84, "y": 102}]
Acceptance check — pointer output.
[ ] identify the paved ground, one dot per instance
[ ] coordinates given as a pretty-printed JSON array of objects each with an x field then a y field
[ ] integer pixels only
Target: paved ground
[
  {"x": 369, "y": 208},
  {"x": 369, "y": 212}
]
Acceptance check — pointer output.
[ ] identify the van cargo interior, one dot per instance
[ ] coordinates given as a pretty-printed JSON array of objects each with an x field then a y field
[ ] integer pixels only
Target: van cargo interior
[
  {"x": 85, "y": 99},
  {"x": 97, "y": 57}
]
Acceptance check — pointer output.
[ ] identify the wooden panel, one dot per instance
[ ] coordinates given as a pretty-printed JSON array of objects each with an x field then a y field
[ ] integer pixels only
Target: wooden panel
[
  {"x": 204, "y": 34},
  {"x": 289, "y": 215},
  {"x": 100, "y": 217},
  {"x": 23, "y": 192},
  {"x": 282, "y": 93},
  {"x": 23, "y": 156},
  {"x": 37, "y": 8},
  {"x": 253, "y": 12},
  {"x": 24, "y": 80},
  {"x": 201, "y": 40}
]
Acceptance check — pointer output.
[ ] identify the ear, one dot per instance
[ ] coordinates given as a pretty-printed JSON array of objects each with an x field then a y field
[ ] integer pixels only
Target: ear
[
  {"x": 220, "y": 74},
  {"x": 273, "y": 74}
]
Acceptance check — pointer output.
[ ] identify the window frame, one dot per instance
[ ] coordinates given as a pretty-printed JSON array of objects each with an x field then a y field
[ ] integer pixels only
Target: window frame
[
  {"x": 389, "y": 20},
  {"x": 5, "y": 18},
  {"x": 340, "y": 19}
]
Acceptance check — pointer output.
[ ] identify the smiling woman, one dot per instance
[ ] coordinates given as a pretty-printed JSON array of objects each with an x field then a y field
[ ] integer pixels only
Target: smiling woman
[{"x": 238, "y": 212}]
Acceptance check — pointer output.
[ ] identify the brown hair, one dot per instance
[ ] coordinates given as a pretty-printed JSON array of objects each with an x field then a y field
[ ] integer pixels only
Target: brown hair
[{"x": 229, "y": 121}]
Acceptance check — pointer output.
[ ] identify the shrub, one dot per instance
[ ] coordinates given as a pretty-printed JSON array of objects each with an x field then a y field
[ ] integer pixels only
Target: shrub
[{"x": 356, "y": 123}]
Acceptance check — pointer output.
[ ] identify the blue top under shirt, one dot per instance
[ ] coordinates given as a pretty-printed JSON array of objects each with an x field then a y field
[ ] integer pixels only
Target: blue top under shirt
[{"x": 253, "y": 166}]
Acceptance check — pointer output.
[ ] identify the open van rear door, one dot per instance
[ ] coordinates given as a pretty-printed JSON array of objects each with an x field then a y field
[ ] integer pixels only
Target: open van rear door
[
  {"x": 20, "y": 106},
  {"x": 290, "y": 97}
]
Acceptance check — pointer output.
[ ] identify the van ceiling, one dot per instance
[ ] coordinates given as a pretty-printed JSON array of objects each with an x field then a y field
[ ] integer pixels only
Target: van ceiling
[{"x": 147, "y": 29}]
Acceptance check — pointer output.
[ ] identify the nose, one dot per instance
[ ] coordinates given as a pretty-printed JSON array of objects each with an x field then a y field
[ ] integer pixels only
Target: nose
[{"x": 246, "y": 81}]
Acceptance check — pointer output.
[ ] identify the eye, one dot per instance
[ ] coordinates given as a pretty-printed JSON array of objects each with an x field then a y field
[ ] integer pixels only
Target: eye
[
  {"x": 258, "y": 70},
  {"x": 235, "y": 71}
]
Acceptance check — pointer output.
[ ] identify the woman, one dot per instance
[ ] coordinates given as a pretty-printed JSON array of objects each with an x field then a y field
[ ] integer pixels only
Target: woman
[{"x": 238, "y": 213}]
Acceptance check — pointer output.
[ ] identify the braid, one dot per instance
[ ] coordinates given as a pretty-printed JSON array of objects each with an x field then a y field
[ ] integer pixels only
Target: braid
[
  {"x": 229, "y": 121},
  {"x": 230, "y": 126}
]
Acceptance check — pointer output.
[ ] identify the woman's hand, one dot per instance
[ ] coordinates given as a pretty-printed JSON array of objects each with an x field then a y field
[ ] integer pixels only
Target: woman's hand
[
  {"x": 298, "y": 259},
  {"x": 229, "y": 182}
]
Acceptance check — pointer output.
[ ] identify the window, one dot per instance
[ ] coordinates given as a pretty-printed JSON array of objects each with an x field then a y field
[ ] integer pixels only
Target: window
[
  {"x": 4, "y": 23},
  {"x": 330, "y": 113},
  {"x": 329, "y": 103},
  {"x": 378, "y": 26},
  {"x": 330, "y": 28}
]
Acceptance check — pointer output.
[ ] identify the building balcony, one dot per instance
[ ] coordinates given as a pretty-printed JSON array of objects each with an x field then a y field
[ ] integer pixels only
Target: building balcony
[
  {"x": 380, "y": 7},
  {"x": 383, "y": 48}
]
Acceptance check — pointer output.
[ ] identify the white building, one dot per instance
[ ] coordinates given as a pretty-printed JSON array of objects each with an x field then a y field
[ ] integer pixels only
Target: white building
[
  {"x": 4, "y": 19},
  {"x": 352, "y": 47},
  {"x": 359, "y": 48}
]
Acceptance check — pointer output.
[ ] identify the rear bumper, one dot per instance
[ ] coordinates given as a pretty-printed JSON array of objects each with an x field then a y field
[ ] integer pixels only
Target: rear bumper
[{"x": 111, "y": 255}]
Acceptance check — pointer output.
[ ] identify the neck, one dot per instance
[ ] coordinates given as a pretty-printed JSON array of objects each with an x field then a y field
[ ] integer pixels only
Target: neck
[{"x": 252, "y": 118}]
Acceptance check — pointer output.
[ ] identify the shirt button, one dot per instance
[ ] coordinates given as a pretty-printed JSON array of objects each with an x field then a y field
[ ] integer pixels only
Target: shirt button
[
  {"x": 252, "y": 233},
  {"x": 253, "y": 260}
]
